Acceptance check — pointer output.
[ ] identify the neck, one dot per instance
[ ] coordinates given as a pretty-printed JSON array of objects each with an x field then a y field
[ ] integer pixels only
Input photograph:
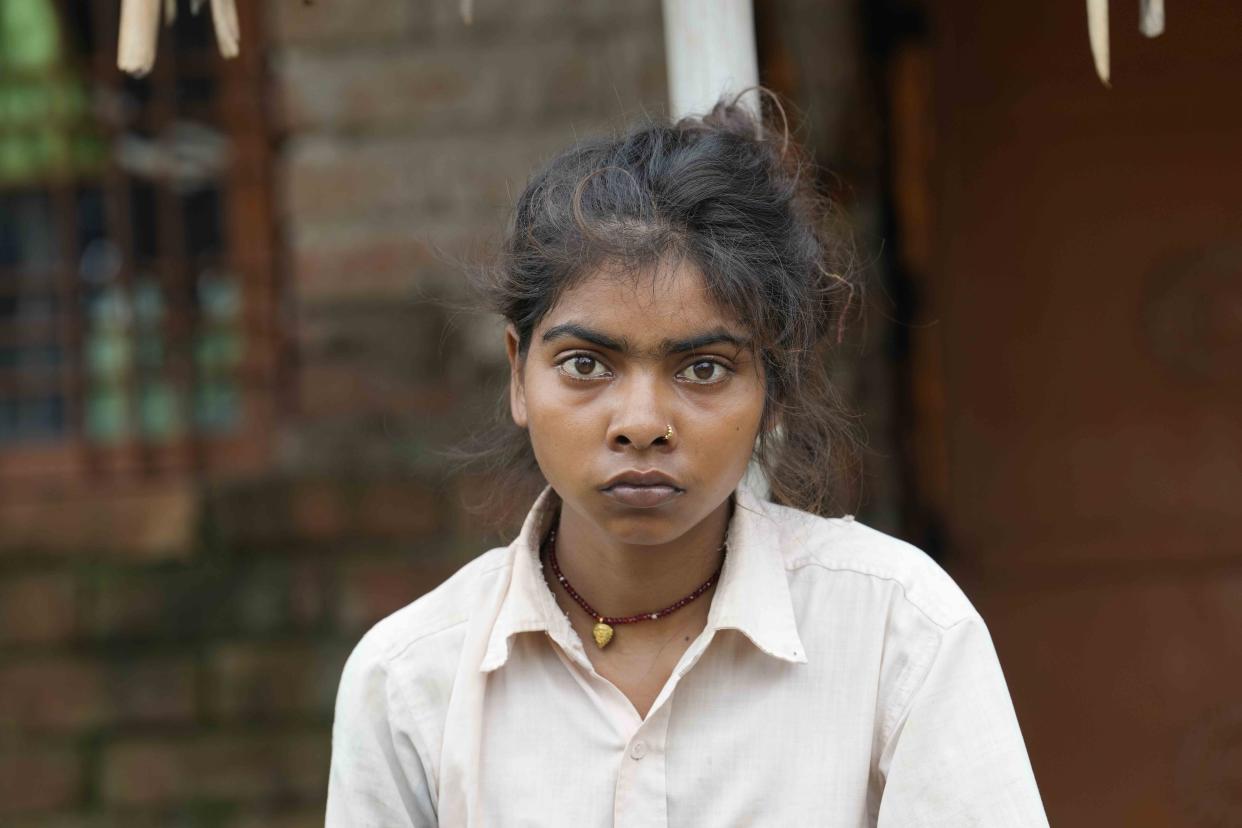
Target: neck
[{"x": 619, "y": 579}]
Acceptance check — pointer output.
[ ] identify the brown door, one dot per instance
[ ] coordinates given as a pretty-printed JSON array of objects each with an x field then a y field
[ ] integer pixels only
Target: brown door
[{"x": 1085, "y": 277}]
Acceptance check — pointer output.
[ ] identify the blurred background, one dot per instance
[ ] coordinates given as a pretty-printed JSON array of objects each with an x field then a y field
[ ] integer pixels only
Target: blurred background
[{"x": 228, "y": 376}]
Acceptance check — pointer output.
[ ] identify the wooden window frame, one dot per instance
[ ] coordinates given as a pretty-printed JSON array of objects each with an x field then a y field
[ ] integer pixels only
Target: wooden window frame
[{"x": 249, "y": 250}]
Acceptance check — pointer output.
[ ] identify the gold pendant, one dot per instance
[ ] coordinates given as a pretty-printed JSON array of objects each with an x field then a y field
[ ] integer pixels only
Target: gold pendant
[{"x": 602, "y": 633}]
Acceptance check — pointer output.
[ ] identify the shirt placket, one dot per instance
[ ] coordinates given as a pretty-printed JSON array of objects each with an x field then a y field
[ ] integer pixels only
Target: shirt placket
[{"x": 641, "y": 797}]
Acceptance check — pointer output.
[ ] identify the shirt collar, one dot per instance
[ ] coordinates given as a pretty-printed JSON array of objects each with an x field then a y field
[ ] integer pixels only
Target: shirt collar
[
  {"x": 528, "y": 603},
  {"x": 752, "y": 596}
]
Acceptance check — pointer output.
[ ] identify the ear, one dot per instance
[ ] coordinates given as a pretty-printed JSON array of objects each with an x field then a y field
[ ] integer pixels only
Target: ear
[{"x": 517, "y": 387}]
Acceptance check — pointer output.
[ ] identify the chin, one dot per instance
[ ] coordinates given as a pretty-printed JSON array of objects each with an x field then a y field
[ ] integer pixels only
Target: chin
[
  {"x": 626, "y": 524},
  {"x": 650, "y": 527},
  {"x": 647, "y": 532}
]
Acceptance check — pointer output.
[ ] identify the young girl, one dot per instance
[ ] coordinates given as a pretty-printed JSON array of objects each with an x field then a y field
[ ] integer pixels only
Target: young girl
[{"x": 666, "y": 643}]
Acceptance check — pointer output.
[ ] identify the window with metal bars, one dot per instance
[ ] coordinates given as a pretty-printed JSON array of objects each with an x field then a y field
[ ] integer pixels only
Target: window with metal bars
[{"x": 137, "y": 277}]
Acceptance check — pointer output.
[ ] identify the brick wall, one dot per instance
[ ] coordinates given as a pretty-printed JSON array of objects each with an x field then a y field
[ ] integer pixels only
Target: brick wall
[{"x": 194, "y": 685}]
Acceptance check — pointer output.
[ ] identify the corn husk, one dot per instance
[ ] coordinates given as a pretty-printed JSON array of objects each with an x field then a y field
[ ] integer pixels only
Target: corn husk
[
  {"x": 1151, "y": 17},
  {"x": 1097, "y": 31},
  {"x": 139, "y": 34},
  {"x": 228, "y": 32}
]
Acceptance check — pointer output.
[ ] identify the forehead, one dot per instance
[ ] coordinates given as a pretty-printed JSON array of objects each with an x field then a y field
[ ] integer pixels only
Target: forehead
[{"x": 664, "y": 301}]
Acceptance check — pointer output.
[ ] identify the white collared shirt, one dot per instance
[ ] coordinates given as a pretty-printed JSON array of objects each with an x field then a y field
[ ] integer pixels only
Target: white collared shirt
[{"x": 842, "y": 679}]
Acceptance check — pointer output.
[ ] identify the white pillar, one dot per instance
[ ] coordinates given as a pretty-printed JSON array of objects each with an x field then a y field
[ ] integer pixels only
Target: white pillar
[{"x": 709, "y": 46}]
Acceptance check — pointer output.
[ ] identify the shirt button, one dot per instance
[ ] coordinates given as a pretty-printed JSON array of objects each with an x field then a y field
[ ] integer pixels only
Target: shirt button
[{"x": 638, "y": 750}]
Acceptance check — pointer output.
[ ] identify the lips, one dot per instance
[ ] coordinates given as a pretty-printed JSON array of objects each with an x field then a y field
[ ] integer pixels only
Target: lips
[{"x": 642, "y": 489}]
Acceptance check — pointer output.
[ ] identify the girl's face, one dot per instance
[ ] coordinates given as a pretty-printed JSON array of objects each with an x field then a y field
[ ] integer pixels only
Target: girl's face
[{"x": 617, "y": 361}]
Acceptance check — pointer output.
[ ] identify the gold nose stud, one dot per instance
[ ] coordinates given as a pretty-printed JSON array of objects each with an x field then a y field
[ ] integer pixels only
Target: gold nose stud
[{"x": 668, "y": 433}]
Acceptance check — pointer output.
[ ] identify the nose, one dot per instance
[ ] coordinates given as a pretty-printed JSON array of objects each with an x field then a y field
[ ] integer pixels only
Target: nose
[{"x": 641, "y": 419}]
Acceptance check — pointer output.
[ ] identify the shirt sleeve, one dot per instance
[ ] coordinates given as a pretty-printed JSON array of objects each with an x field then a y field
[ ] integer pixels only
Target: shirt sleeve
[
  {"x": 956, "y": 755},
  {"x": 377, "y": 777}
]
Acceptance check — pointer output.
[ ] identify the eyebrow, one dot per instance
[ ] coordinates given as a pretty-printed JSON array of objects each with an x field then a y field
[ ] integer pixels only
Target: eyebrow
[{"x": 573, "y": 330}]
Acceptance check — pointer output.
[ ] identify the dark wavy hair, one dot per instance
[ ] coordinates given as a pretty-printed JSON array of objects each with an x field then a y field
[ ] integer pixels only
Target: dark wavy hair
[{"x": 738, "y": 200}]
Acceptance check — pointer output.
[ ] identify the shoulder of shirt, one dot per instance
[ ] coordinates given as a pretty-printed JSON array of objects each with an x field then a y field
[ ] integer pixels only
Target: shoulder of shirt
[
  {"x": 846, "y": 545},
  {"x": 445, "y": 608}
]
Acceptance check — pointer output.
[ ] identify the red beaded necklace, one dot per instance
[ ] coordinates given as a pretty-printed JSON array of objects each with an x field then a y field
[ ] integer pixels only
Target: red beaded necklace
[{"x": 602, "y": 631}]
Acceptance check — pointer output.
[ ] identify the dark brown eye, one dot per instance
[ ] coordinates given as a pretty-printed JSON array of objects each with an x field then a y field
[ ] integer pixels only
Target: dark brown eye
[
  {"x": 706, "y": 371},
  {"x": 582, "y": 366}
]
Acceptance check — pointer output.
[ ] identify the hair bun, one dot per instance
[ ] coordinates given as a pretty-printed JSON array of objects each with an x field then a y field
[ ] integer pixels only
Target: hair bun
[{"x": 732, "y": 117}]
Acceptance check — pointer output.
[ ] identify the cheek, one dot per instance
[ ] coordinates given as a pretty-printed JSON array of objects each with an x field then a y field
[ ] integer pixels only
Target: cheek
[
  {"x": 745, "y": 410},
  {"x": 727, "y": 432},
  {"x": 556, "y": 421}
]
